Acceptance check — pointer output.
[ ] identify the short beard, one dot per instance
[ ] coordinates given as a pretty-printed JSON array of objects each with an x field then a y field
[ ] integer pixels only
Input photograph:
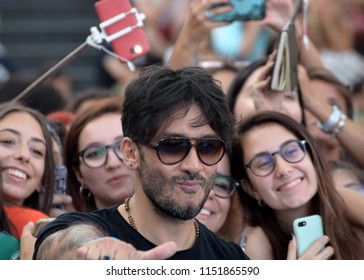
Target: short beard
[{"x": 153, "y": 183}]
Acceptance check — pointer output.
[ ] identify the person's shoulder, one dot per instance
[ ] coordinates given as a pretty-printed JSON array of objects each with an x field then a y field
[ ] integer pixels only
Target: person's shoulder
[
  {"x": 20, "y": 216},
  {"x": 222, "y": 248},
  {"x": 24, "y": 213}
]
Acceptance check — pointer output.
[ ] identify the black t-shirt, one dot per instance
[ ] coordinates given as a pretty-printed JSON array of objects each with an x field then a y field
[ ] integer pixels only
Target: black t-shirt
[{"x": 208, "y": 246}]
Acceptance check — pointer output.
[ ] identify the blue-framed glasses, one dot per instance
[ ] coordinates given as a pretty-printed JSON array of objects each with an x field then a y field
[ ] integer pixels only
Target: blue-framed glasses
[{"x": 263, "y": 164}]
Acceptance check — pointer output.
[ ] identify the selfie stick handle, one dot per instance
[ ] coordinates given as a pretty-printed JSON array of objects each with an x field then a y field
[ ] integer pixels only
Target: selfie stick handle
[
  {"x": 93, "y": 40},
  {"x": 47, "y": 74}
]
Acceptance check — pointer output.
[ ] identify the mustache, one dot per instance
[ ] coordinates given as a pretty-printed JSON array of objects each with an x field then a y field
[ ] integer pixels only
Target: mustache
[{"x": 189, "y": 177}]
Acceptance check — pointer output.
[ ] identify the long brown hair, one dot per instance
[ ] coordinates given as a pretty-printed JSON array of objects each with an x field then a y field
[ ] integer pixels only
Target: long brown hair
[
  {"x": 326, "y": 202},
  {"x": 4, "y": 221},
  {"x": 36, "y": 200},
  {"x": 84, "y": 203}
]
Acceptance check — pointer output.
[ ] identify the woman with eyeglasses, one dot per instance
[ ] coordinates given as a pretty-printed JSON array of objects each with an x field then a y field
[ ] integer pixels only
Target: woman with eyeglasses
[
  {"x": 283, "y": 177},
  {"x": 216, "y": 208},
  {"x": 97, "y": 176}
]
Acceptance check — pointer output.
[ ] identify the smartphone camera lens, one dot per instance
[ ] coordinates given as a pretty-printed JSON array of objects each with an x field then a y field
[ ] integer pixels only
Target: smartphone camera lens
[{"x": 301, "y": 224}]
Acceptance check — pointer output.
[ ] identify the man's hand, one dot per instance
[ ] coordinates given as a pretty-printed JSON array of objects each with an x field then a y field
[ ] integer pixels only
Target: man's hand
[{"x": 108, "y": 248}]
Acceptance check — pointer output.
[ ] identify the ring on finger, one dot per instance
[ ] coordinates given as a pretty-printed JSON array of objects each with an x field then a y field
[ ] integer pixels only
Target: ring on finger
[{"x": 104, "y": 258}]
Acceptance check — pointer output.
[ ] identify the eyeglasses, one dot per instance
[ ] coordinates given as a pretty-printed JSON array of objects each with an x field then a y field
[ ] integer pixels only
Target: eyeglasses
[
  {"x": 224, "y": 186},
  {"x": 356, "y": 187},
  {"x": 173, "y": 150},
  {"x": 96, "y": 156},
  {"x": 263, "y": 164}
]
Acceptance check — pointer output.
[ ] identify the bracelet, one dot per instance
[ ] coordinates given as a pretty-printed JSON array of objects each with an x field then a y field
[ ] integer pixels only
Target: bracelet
[
  {"x": 340, "y": 125},
  {"x": 332, "y": 121}
]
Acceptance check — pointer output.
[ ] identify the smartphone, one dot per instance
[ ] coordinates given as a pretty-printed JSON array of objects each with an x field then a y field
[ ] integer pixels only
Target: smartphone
[
  {"x": 244, "y": 10},
  {"x": 40, "y": 225},
  {"x": 10, "y": 247},
  {"x": 60, "y": 183},
  {"x": 130, "y": 46},
  {"x": 307, "y": 231}
]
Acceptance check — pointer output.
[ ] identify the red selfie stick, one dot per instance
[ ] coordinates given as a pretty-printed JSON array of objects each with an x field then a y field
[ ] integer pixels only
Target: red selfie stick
[{"x": 94, "y": 40}]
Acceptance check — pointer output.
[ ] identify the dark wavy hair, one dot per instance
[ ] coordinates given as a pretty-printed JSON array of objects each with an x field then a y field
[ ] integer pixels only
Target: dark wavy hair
[
  {"x": 326, "y": 202},
  {"x": 4, "y": 221},
  {"x": 159, "y": 93}
]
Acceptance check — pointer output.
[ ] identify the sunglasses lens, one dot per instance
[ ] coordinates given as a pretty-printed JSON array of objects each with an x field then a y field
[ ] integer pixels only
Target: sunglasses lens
[
  {"x": 173, "y": 150},
  {"x": 210, "y": 151}
]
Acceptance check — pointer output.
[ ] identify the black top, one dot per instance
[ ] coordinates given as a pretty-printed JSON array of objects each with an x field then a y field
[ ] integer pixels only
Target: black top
[{"x": 208, "y": 246}]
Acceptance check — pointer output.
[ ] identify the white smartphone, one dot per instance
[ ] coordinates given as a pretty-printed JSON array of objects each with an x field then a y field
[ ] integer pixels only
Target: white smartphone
[{"x": 307, "y": 231}]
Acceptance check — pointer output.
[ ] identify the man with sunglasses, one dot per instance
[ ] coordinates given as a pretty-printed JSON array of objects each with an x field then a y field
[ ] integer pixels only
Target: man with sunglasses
[{"x": 177, "y": 126}]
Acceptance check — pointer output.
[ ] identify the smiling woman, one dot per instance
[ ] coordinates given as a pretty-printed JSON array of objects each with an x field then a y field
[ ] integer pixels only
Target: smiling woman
[
  {"x": 27, "y": 165},
  {"x": 284, "y": 177}
]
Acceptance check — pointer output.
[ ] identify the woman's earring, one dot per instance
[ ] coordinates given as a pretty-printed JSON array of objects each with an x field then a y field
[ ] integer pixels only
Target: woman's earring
[
  {"x": 261, "y": 203},
  {"x": 85, "y": 193}
]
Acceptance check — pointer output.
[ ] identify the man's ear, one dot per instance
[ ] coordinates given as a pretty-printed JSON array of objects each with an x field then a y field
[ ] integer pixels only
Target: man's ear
[
  {"x": 248, "y": 188},
  {"x": 130, "y": 152}
]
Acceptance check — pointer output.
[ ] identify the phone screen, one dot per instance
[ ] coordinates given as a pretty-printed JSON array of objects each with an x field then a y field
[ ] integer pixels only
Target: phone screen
[{"x": 244, "y": 10}]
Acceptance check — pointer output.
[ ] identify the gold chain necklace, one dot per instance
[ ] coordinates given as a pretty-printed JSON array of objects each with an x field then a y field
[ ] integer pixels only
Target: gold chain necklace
[{"x": 131, "y": 220}]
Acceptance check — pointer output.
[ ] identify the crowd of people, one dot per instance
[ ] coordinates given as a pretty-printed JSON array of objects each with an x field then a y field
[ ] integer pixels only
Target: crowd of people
[{"x": 193, "y": 155}]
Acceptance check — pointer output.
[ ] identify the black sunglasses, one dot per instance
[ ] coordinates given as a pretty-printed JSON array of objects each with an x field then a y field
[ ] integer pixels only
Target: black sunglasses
[{"x": 173, "y": 150}]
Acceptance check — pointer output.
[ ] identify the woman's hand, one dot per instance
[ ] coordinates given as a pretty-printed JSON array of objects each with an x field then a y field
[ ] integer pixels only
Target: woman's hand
[
  {"x": 318, "y": 251},
  {"x": 61, "y": 199},
  {"x": 27, "y": 241},
  {"x": 278, "y": 13}
]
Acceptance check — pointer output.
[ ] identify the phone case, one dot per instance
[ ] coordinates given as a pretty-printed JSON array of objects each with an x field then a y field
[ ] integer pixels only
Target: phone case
[
  {"x": 131, "y": 45},
  {"x": 285, "y": 71},
  {"x": 307, "y": 230},
  {"x": 243, "y": 10}
]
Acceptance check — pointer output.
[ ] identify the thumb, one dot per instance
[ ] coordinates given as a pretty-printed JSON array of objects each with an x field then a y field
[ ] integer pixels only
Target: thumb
[
  {"x": 160, "y": 252},
  {"x": 292, "y": 249}
]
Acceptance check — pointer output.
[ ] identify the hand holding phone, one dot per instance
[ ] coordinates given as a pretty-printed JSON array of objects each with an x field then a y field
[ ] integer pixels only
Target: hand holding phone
[
  {"x": 40, "y": 225},
  {"x": 307, "y": 231}
]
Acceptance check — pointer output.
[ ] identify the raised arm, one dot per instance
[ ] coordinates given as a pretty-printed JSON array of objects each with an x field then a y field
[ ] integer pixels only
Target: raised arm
[
  {"x": 278, "y": 13},
  {"x": 350, "y": 136},
  {"x": 87, "y": 242},
  {"x": 195, "y": 32}
]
